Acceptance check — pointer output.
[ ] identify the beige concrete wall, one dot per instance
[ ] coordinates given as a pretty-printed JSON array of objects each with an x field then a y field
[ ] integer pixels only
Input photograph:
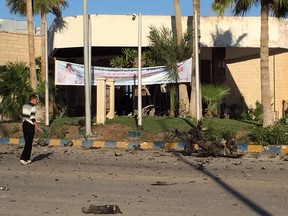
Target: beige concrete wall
[
  {"x": 122, "y": 31},
  {"x": 244, "y": 79},
  {"x": 279, "y": 74},
  {"x": 14, "y": 47},
  {"x": 241, "y": 32}
]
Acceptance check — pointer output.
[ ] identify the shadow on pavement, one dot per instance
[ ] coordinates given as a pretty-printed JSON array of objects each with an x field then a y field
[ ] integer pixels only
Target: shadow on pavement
[
  {"x": 252, "y": 205},
  {"x": 41, "y": 157}
]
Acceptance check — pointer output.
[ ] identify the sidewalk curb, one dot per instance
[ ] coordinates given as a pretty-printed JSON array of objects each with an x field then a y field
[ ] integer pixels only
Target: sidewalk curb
[{"x": 249, "y": 148}]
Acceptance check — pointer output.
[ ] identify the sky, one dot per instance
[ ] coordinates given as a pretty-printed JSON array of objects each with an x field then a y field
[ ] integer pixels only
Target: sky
[{"x": 119, "y": 7}]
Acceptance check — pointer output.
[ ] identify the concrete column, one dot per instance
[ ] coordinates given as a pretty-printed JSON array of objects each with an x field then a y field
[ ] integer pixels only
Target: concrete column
[
  {"x": 101, "y": 101},
  {"x": 111, "y": 113}
]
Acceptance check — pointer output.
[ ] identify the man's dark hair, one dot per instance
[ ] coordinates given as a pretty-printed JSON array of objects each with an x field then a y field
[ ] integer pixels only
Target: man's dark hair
[{"x": 32, "y": 96}]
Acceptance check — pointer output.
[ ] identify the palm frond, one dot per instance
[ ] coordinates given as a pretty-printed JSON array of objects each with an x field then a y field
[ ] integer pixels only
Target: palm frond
[{"x": 14, "y": 89}]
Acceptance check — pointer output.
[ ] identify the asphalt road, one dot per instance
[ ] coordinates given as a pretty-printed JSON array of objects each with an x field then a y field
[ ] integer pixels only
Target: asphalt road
[{"x": 63, "y": 180}]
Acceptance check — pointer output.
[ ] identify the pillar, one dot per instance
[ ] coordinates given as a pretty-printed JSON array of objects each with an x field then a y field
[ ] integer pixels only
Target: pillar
[
  {"x": 110, "y": 84},
  {"x": 101, "y": 101}
]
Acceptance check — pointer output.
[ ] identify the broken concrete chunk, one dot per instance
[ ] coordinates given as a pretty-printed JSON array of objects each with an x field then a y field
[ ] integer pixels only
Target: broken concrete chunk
[{"x": 102, "y": 209}]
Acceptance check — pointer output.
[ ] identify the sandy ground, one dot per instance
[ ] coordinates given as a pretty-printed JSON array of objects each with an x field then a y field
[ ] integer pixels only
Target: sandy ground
[{"x": 63, "y": 180}]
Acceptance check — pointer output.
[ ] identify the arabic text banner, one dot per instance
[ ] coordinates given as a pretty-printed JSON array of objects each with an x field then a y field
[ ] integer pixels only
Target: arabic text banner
[{"x": 67, "y": 73}]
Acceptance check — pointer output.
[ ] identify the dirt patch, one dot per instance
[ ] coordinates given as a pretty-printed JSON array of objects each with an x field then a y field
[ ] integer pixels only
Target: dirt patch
[
  {"x": 11, "y": 130},
  {"x": 120, "y": 132},
  {"x": 114, "y": 132}
]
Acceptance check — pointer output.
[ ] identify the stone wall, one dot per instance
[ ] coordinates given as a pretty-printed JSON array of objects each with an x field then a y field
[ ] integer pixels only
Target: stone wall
[
  {"x": 244, "y": 78},
  {"x": 14, "y": 47}
]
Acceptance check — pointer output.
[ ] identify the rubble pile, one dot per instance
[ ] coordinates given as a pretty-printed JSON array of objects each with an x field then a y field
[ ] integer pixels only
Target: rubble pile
[{"x": 194, "y": 143}]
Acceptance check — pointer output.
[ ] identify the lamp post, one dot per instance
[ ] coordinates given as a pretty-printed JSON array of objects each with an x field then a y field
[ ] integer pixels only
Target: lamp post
[
  {"x": 139, "y": 122},
  {"x": 86, "y": 70},
  {"x": 46, "y": 82},
  {"x": 197, "y": 89}
]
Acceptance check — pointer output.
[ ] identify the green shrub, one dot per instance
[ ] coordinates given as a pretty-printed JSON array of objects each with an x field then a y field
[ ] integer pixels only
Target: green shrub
[
  {"x": 228, "y": 133},
  {"x": 15, "y": 89},
  {"x": 53, "y": 132},
  {"x": 254, "y": 114},
  {"x": 213, "y": 96},
  {"x": 258, "y": 135},
  {"x": 15, "y": 129},
  {"x": 283, "y": 120},
  {"x": 213, "y": 133},
  {"x": 273, "y": 135},
  {"x": 277, "y": 135}
]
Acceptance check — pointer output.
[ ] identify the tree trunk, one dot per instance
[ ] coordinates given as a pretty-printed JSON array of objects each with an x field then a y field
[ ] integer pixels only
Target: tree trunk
[
  {"x": 31, "y": 46},
  {"x": 43, "y": 45},
  {"x": 172, "y": 100},
  {"x": 178, "y": 21},
  {"x": 184, "y": 100},
  {"x": 183, "y": 94},
  {"x": 264, "y": 66},
  {"x": 192, "y": 105}
]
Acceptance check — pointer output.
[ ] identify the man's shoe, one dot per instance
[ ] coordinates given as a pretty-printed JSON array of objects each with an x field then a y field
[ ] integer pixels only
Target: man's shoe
[
  {"x": 29, "y": 161},
  {"x": 23, "y": 162}
]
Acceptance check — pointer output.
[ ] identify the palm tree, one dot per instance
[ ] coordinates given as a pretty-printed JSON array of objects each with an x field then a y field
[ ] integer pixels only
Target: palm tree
[
  {"x": 24, "y": 8},
  {"x": 278, "y": 8},
  {"x": 178, "y": 21},
  {"x": 129, "y": 59},
  {"x": 182, "y": 94},
  {"x": 45, "y": 7},
  {"x": 213, "y": 96},
  {"x": 31, "y": 45},
  {"x": 166, "y": 51},
  {"x": 192, "y": 105}
]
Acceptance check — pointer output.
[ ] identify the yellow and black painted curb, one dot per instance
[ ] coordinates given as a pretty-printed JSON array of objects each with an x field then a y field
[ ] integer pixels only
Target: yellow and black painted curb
[{"x": 249, "y": 148}]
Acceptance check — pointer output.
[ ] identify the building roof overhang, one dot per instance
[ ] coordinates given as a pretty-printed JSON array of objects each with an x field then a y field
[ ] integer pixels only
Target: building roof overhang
[{"x": 111, "y": 33}]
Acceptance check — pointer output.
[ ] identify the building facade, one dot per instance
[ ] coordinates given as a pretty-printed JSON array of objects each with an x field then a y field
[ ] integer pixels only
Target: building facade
[
  {"x": 14, "y": 47},
  {"x": 14, "y": 41},
  {"x": 229, "y": 52}
]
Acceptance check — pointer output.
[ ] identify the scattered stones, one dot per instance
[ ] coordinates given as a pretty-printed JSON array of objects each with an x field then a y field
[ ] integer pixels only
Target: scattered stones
[
  {"x": 102, "y": 209},
  {"x": 117, "y": 155},
  {"x": 4, "y": 188},
  {"x": 285, "y": 158},
  {"x": 239, "y": 163},
  {"x": 200, "y": 167},
  {"x": 68, "y": 144},
  {"x": 137, "y": 147},
  {"x": 162, "y": 183},
  {"x": 42, "y": 142}
]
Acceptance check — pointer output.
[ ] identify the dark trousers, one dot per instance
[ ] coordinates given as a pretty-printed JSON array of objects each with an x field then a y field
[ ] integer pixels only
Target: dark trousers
[{"x": 28, "y": 133}]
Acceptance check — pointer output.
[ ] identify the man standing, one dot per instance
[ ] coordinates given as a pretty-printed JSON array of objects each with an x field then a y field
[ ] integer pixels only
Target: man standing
[{"x": 28, "y": 126}]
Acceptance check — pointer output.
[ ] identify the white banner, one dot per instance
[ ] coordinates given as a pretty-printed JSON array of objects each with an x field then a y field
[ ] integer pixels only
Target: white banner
[{"x": 67, "y": 73}]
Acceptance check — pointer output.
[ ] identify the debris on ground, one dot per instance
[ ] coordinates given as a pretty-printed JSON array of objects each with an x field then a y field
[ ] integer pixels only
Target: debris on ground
[
  {"x": 68, "y": 144},
  {"x": 194, "y": 143},
  {"x": 162, "y": 183},
  {"x": 4, "y": 188},
  {"x": 137, "y": 147},
  {"x": 285, "y": 157},
  {"x": 42, "y": 142},
  {"x": 102, "y": 209}
]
